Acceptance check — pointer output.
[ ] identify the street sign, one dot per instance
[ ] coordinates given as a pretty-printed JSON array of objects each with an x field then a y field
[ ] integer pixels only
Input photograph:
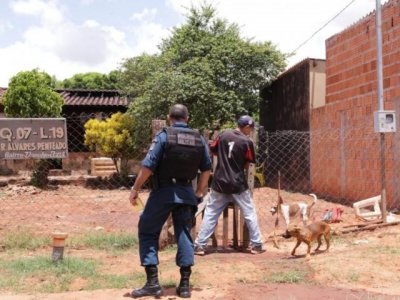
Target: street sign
[{"x": 23, "y": 138}]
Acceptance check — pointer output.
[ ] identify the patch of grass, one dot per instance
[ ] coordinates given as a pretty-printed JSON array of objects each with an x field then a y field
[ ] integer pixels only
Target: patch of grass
[
  {"x": 105, "y": 241},
  {"x": 40, "y": 274},
  {"x": 24, "y": 240},
  {"x": 243, "y": 280},
  {"x": 171, "y": 248},
  {"x": 109, "y": 281},
  {"x": 385, "y": 250},
  {"x": 41, "y": 265},
  {"x": 286, "y": 277},
  {"x": 353, "y": 276},
  {"x": 168, "y": 283},
  {"x": 8, "y": 282},
  {"x": 338, "y": 240}
]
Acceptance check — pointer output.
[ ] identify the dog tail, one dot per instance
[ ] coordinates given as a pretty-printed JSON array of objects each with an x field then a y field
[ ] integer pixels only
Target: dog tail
[{"x": 315, "y": 199}]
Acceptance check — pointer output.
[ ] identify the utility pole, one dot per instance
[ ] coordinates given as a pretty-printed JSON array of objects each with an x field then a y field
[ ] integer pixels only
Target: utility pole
[{"x": 379, "y": 70}]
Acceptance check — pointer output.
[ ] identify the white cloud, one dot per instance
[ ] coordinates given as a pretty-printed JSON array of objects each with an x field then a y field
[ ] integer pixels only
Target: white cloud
[
  {"x": 48, "y": 11},
  {"x": 87, "y": 2},
  {"x": 148, "y": 36},
  {"x": 180, "y": 5},
  {"x": 62, "y": 50},
  {"x": 145, "y": 14},
  {"x": 5, "y": 26}
]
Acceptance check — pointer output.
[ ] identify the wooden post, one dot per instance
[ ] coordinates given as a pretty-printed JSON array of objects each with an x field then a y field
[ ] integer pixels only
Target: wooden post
[
  {"x": 225, "y": 230},
  {"x": 214, "y": 237},
  {"x": 235, "y": 226}
]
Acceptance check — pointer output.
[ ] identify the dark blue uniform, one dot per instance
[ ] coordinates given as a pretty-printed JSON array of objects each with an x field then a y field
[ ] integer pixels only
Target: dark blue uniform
[{"x": 180, "y": 200}]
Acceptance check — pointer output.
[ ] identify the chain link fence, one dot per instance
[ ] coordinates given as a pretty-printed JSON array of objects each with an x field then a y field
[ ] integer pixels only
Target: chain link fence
[
  {"x": 83, "y": 192},
  {"x": 339, "y": 167}
]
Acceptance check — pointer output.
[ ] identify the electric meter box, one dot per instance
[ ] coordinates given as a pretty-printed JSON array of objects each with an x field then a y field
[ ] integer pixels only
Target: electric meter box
[{"x": 385, "y": 121}]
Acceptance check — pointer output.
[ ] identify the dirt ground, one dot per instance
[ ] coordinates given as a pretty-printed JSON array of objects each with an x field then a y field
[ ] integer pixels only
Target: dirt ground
[{"x": 361, "y": 265}]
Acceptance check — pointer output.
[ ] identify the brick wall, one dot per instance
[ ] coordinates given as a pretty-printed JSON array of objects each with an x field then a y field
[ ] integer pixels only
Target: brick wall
[{"x": 344, "y": 142}]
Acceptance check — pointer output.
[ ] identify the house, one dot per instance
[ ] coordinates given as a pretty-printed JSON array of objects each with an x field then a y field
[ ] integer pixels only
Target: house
[{"x": 81, "y": 105}]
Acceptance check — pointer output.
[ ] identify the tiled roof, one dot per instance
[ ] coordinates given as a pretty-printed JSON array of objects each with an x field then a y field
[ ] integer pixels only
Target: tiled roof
[
  {"x": 93, "y": 97},
  {"x": 88, "y": 97}
]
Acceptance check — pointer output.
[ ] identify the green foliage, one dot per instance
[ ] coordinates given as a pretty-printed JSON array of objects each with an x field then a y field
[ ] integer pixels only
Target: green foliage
[
  {"x": 30, "y": 94},
  {"x": 113, "y": 138},
  {"x": 40, "y": 173},
  {"x": 206, "y": 65},
  {"x": 135, "y": 72},
  {"x": 92, "y": 80}
]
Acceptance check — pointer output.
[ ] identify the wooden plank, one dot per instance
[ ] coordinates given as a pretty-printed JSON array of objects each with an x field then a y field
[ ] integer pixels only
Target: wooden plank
[
  {"x": 246, "y": 240},
  {"x": 368, "y": 227},
  {"x": 225, "y": 228},
  {"x": 235, "y": 226}
]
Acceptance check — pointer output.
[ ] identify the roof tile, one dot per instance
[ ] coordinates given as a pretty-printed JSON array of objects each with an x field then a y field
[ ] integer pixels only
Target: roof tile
[{"x": 80, "y": 97}]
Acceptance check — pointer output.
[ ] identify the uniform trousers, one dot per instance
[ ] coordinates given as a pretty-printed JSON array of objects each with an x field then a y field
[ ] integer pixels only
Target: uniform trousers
[{"x": 151, "y": 221}]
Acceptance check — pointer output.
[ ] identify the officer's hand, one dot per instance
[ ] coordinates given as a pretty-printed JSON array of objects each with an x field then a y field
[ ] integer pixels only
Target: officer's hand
[
  {"x": 199, "y": 196},
  {"x": 133, "y": 196}
]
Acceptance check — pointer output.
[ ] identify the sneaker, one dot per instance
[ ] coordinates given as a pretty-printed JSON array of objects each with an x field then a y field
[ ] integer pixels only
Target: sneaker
[
  {"x": 257, "y": 249},
  {"x": 199, "y": 250}
]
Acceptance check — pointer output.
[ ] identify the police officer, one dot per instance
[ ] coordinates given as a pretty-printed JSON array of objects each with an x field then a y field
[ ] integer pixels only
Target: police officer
[{"x": 176, "y": 155}]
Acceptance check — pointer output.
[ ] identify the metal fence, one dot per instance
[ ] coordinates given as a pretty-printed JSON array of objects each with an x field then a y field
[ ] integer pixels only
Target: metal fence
[{"x": 340, "y": 168}]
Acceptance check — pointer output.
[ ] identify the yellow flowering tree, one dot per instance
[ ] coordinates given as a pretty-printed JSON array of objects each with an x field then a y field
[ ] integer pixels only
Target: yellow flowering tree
[{"x": 113, "y": 138}]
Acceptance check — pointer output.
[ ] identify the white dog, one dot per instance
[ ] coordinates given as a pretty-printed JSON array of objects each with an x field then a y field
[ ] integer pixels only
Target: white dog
[{"x": 290, "y": 211}]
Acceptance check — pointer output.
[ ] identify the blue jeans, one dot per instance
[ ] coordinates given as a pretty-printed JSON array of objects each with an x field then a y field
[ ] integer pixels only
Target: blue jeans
[
  {"x": 151, "y": 222},
  {"x": 215, "y": 206}
]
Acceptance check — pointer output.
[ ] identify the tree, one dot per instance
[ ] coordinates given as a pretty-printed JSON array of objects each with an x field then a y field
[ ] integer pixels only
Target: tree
[
  {"x": 206, "y": 65},
  {"x": 113, "y": 138},
  {"x": 29, "y": 95},
  {"x": 135, "y": 72},
  {"x": 92, "y": 81}
]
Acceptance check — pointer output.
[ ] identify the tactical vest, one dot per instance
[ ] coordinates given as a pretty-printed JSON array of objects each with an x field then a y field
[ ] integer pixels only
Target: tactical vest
[{"x": 182, "y": 154}]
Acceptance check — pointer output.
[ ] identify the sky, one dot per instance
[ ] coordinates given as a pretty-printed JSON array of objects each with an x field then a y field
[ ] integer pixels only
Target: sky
[{"x": 66, "y": 37}]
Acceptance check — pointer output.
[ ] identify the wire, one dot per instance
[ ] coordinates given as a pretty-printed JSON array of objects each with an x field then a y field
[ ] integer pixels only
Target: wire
[{"x": 323, "y": 26}]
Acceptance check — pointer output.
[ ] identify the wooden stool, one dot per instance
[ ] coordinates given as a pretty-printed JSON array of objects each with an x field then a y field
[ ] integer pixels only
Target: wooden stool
[{"x": 240, "y": 236}]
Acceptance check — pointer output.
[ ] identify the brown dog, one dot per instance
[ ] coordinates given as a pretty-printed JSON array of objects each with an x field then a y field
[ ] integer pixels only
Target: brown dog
[{"x": 308, "y": 234}]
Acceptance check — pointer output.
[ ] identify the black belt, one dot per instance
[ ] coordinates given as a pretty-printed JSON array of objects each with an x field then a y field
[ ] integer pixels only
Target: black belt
[{"x": 175, "y": 181}]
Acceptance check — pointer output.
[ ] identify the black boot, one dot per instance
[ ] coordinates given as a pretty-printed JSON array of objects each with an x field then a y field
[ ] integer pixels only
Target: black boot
[
  {"x": 152, "y": 287},
  {"x": 183, "y": 290}
]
